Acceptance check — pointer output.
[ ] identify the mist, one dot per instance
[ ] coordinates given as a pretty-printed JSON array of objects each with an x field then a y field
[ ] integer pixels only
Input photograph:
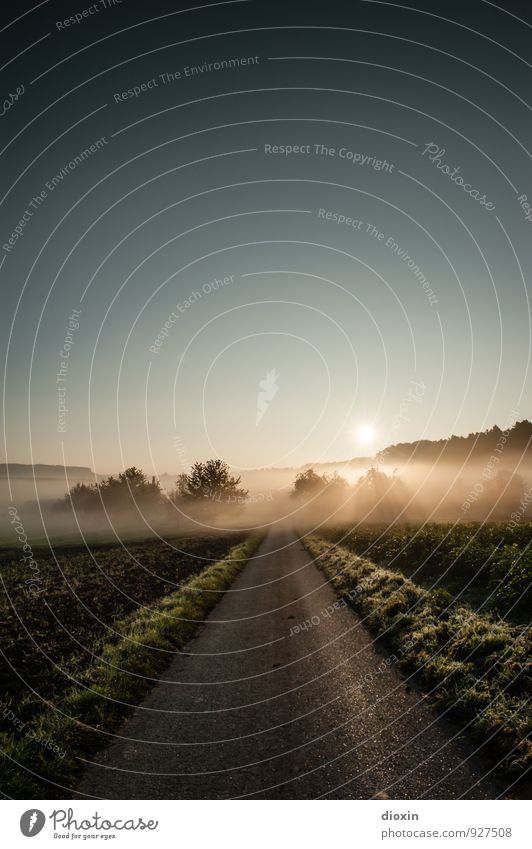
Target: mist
[{"x": 342, "y": 494}]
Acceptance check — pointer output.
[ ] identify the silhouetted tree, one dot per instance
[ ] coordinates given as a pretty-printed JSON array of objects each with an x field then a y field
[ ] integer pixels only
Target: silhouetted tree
[
  {"x": 457, "y": 449},
  {"x": 309, "y": 484},
  {"x": 379, "y": 497},
  {"x": 210, "y": 480},
  {"x": 82, "y": 496},
  {"x": 130, "y": 488}
]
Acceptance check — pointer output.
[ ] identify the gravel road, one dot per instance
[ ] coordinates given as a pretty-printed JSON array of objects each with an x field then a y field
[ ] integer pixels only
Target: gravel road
[{"x": 249, "y": 710}]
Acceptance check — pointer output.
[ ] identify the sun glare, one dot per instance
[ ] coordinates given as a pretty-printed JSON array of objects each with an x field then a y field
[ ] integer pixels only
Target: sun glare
[{"x": 365, "y": 434}]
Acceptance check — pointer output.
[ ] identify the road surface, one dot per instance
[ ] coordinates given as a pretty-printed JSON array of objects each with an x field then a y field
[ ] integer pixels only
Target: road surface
[{"x": 249, "y": 710}]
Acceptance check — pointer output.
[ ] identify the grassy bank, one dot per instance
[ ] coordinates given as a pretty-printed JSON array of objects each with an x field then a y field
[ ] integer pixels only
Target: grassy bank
[
  {"x": 42, "y": 753},
  {"x": 488, "y": 565},
  {"x": 82, "y": 591},
  {"x": 476, "y": 666}
]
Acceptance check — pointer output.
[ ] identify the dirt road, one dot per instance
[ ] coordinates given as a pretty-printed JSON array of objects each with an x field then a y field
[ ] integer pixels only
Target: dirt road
[{"x": 249, "y": 710}]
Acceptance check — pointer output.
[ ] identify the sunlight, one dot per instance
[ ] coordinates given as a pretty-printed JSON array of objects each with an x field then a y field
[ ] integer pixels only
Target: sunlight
[{"x": 365, "y": 434}]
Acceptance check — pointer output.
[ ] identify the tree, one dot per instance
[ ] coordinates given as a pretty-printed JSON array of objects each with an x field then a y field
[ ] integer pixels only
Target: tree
[
  {"x": 379, "y": 496},
  {"x": 82, "y": 496},
  {"x": 210, "y": 480},
  {"x": 136, "y": 484},
  {"x": 309, "y": 484},
  {"x": 133, "y": 478},
  {"x": 130, "y": 488}
]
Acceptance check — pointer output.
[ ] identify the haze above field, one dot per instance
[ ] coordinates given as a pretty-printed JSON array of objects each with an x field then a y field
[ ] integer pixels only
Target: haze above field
[{"x": 430, "y": 469}]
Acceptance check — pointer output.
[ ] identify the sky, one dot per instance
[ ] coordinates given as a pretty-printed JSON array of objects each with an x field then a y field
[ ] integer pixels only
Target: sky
[{"x": 263, "y": 232}]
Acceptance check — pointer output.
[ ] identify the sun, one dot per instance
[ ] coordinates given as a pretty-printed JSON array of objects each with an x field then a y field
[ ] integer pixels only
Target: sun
[{"x": 365, "y": 434}]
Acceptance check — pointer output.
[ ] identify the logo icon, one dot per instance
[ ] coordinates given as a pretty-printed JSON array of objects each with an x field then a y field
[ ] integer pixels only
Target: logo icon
[
  {"x": 32, "y": 822},
  {"x": 267, "y": 391}
]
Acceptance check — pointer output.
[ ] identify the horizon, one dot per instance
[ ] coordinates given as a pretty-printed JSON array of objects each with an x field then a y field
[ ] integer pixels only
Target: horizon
[{"x": 355, "y": 459}]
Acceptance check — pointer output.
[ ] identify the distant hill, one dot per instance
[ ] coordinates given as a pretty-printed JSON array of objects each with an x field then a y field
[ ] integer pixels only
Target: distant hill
[
  {"x": 44, "y": 472},
  {"x": 476, "y": 447}
]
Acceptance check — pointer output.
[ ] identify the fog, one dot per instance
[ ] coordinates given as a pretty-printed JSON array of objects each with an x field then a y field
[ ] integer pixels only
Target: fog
[
  {"x": 331, "y": 494},
  {"x": 422, "y": 492}
]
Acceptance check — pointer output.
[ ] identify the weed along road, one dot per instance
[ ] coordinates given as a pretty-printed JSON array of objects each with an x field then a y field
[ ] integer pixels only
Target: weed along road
[{"x": 282, "y": 694}]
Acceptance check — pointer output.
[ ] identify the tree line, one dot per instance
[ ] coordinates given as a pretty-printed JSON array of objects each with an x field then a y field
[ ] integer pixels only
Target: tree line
[
  {"x": 380, "y": 497},
  {"x": 207, "y": 482}
]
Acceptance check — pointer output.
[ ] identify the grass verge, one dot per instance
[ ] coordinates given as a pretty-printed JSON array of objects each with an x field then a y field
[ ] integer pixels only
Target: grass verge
[
  {"x": 44, "y": 752},
  {"x": 488, "y": 564},
  {"x": 82, "y": 592},
  {"x": 477, "y": 666}
]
